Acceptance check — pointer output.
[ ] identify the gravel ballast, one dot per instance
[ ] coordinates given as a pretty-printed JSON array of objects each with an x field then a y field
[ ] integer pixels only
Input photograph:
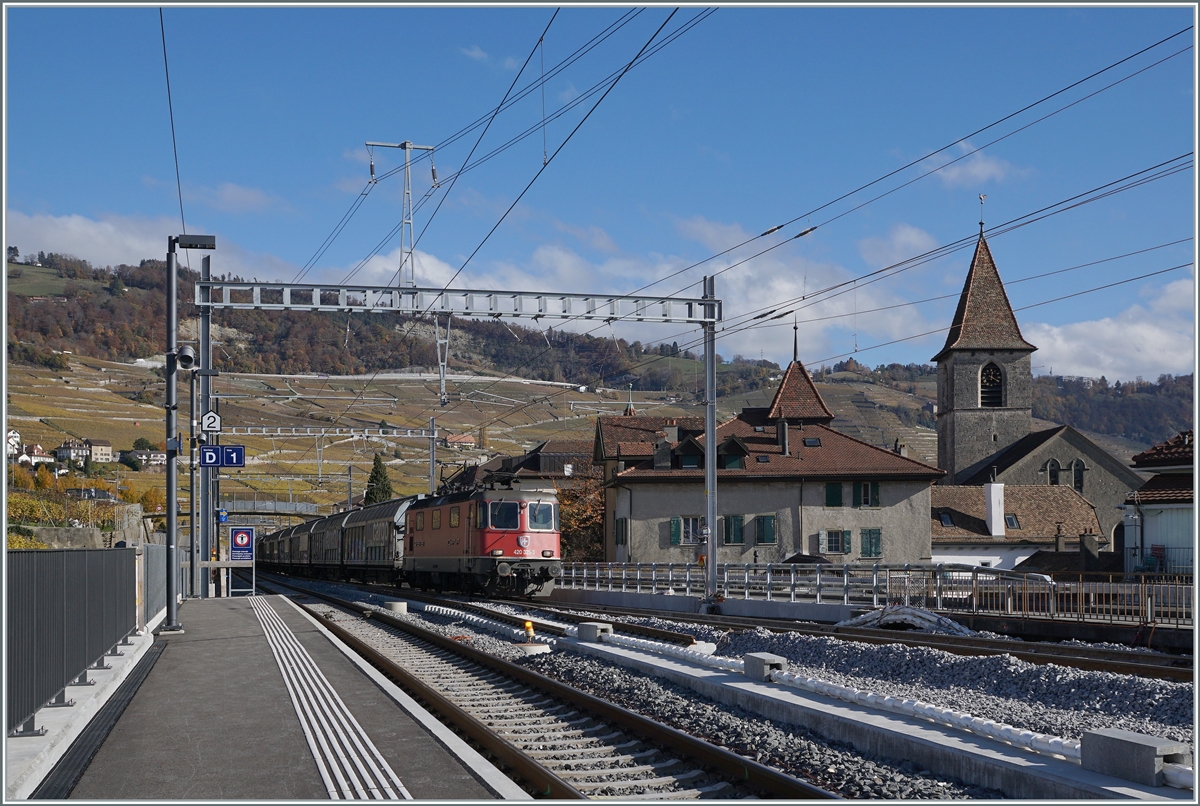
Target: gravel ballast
[{"x": 1049, "y": 699}]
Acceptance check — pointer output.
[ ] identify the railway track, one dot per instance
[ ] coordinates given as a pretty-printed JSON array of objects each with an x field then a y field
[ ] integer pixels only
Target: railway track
[
  {"x": 564, "y": 743},
  {"x": 1144, "y": 664}
]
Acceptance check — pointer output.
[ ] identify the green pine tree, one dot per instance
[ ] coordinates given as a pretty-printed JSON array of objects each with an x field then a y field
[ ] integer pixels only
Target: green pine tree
[{"x": 379, "y": 487}]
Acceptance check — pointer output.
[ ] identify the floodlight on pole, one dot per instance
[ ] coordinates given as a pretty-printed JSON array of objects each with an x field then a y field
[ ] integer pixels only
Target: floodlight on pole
[{"x": 176, "y": 359}]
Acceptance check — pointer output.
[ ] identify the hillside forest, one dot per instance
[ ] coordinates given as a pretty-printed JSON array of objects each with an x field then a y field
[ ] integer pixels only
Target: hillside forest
[{"x": 116, "y": 313}]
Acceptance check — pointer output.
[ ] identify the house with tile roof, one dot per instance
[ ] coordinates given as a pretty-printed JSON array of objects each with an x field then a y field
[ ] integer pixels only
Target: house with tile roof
[
  {"x": 101, "y": 449},
  {"x": 1002, "y": 525},
  {"x": 554, "y": 464},
  {"x": 985, "y": 402},
  {"x": 1160, "y": 517},
  {"x": 787, "y": 484}
]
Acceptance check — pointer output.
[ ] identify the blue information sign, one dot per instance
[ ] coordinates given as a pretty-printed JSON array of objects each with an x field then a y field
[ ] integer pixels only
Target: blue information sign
[
  {"x": 241, "y": 543},
  {"x": 210, "y": 456},
  {"x": 233, "y": 456},
  {"x": 222, "y": 516}
]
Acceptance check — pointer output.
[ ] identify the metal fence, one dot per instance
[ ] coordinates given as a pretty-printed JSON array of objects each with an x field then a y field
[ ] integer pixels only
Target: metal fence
[
  {"x": 66, "y": 609},
  {"x": 1115, "y": 598},
  {"x": 154, "y": 592},
  {"x": 1159, "y": 559}
]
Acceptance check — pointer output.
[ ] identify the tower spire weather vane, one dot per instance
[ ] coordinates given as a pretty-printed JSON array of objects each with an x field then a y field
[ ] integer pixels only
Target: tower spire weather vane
[{"x": 982, "y": 196}]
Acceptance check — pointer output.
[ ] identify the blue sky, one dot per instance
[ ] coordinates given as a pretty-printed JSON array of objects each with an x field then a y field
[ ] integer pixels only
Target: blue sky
[{"x": 751, "y": 118}]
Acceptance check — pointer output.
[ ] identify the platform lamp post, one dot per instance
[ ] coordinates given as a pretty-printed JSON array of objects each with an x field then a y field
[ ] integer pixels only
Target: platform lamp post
[{"x": 176, "y": 359}]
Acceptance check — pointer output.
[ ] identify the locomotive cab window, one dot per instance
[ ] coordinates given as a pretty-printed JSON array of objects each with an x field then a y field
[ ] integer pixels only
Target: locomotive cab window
[
  {"x": 504, "y": 515},
  {"x": 541, "y": 517},
  {"x": 435, "y": 519},
  {"x": 453, "y": 517}
]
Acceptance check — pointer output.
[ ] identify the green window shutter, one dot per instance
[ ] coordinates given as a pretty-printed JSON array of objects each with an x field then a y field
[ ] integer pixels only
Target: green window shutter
[
  {"x": 875, "y": 494},
  {"x": 822, "y": 542},
  {"x": 764, "y": 529},
  {"x": 833, "y": 494},
  {"x": 847, "y": 544},
  {"x": 857, "y": 493},
  {"x": 676, "y": 531},
  {"x": 738, "y": 528},
  {"x": 872, "y": 543}
]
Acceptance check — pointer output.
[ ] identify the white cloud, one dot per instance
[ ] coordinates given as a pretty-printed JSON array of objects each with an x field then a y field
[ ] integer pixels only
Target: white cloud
[
  {"x": 568, "y": 94},
  {"x": 1147, "y": 340},
  {"x": 902, "y": 242},
  {"x": 474, "y": 52},
  {"x": 124, "y": 239},
  {"x": 975, "y": 170},
  {"x": 231, "y": 198},
  {"x": 593, "y": 236},
  {"x": 511, "y": 64}
]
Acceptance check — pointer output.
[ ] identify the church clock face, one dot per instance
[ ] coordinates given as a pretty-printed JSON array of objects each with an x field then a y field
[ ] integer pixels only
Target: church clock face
[
  {"x": 991, "y": 376},
  {"x": 990, "y": 395}
]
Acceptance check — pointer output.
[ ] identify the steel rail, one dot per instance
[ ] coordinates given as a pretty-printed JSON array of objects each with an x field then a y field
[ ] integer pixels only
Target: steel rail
[
  {"x": 751, "y": 773},
  {"x": 639, "y": 630},
  {"x": 1156, "y": 665}
]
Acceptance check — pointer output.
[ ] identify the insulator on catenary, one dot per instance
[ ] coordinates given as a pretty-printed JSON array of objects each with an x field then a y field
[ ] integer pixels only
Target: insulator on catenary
[
  {"x": 372, "y": 168},
  {"x": 433, "y": 169}
]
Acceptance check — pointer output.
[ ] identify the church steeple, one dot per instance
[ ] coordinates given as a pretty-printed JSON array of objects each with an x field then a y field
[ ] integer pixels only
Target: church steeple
[
  {"x": 984, "y": 375},
  {"x": 984, "y": 319}
]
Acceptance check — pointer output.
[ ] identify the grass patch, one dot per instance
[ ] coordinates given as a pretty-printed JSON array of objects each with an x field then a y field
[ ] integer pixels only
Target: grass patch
[{"x": 42, "y": 281}]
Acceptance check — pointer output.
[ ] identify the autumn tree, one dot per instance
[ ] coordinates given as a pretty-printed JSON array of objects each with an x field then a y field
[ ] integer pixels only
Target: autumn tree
[
  {"x": 22, "y": 479},
  {"x": 582, "y": 519},
  {"x": 379, "y": 487},
  {"x": 45, "y": 479}
]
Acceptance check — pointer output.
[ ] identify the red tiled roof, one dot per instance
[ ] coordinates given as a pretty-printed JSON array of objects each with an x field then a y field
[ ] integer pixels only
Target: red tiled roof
[
  {"x": 797, "y": 398},
  {"x": 838, "y": 456},
  {"x": 613, "y": 430},
  {"x": 1039, "y": 509},
  {"x": 635, "y": 449},
  {"x": 984, "y": 318},
  {"x": 1175, "y": 451},
  {"x": 1164, "y": 488}
]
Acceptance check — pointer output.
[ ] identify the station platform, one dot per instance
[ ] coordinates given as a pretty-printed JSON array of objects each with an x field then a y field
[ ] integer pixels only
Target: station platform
[{"x": 256, "y": 700}]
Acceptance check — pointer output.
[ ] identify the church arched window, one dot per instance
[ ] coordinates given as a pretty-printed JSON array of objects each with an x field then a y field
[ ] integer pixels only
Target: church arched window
[
  {"x": 1077, "y": 469},
  {"x": 1052, "y": 470},
  {"x": 991, "y": 387}
]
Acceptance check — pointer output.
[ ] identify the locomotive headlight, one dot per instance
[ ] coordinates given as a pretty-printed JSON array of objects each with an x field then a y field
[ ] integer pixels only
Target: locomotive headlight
[
  {"x": 497, "y": 552},
  {"x": 548, "y": 553}
]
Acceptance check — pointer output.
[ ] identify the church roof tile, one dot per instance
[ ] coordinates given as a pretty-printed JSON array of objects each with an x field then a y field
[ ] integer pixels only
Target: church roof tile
[{"x": 984, "y": 318}]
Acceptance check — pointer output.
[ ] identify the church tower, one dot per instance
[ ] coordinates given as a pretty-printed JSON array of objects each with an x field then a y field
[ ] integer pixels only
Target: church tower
[{"x": 985, "y": 377}]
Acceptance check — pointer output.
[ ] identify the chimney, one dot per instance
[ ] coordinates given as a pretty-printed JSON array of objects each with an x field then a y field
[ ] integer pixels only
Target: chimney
[
  {"x": 672, "y": 432},
  {"x": 1089, "y": 551},
  {"x": 662, "y": 455},
  {"x": 993, "y": 494},
  {"x": 1060, "y": 538},
  {"x": 781, "y": 436}
]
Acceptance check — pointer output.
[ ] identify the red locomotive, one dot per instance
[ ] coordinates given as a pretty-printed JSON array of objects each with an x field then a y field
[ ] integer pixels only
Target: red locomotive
[{"x": 495, "y": 541}]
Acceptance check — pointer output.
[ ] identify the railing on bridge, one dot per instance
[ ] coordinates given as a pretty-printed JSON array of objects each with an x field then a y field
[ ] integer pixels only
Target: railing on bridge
[
  {"x": 1116, "y": 598},
  {"x": 251, "y": 502},
  {"x": 67, "y": 608}
]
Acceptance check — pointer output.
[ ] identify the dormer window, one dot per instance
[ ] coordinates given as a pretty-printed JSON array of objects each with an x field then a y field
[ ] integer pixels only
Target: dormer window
[
  {"x": 731, "y": 462},
  {"x": 991, "y": 387},
  {"x": 689, "y": 461}
]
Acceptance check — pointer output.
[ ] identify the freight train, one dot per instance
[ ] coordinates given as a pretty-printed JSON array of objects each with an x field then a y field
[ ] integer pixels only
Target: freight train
[{"x": 498, "y": 542}]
